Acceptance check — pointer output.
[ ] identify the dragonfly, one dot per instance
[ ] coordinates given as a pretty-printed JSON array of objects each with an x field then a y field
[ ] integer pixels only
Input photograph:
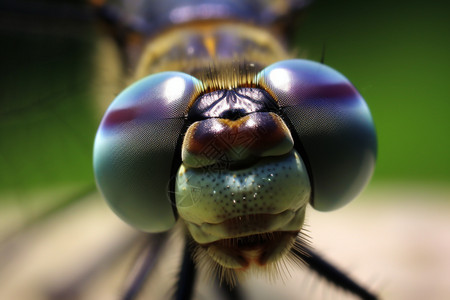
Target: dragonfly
[{"x": 225, "y": 136}]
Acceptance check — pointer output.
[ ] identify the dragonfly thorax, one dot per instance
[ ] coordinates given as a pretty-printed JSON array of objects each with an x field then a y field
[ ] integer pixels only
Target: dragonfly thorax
[{"x": 198, "y": 47}]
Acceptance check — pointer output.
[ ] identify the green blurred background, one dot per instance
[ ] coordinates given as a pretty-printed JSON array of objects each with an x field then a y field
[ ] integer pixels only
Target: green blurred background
[{"x": 395, "y": 52}]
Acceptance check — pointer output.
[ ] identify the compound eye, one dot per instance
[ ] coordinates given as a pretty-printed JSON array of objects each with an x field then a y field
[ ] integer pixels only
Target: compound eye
[
  {"x": 331, "y": 124},
  {"x": 135, "y": 148}
]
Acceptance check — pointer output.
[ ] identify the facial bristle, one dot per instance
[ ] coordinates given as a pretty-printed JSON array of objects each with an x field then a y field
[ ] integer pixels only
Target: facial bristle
[
  {"x": 229, "y": 76},
  {"x": 278, "y": 270}
]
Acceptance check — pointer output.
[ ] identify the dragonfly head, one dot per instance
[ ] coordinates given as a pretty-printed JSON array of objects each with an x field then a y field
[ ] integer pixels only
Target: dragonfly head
[{"x": 238, "y": 165}]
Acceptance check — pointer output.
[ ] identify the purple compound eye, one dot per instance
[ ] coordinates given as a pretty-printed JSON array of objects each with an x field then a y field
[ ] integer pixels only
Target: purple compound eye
[
  {"x": 135, "y": 148},
  {"x": 331, "y": 125}
]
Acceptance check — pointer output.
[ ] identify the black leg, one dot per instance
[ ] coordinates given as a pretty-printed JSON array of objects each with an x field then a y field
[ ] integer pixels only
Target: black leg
[
  {"x": 186, "y": 278},
  {"x": 157, "y": 242},
  {"x": 331, "y": 273},
  {"x": 231, "y": 293}
]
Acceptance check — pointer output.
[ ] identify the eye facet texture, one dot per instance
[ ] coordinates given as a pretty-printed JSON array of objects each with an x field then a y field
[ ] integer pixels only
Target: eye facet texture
[
  {"x": 331, "y": 124},
  {"x": 135, "y": 148}
]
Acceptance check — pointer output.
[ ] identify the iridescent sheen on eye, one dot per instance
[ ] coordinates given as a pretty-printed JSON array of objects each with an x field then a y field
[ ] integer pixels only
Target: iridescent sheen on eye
[
  {"x": 135, "y": 148},
  {"x": 331, "y": 124}
]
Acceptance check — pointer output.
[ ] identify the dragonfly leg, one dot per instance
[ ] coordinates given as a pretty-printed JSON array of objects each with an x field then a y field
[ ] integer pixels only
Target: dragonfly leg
[
  {"x": 152, "y": 253},
  {"x": 231, "y": 293},
  {"x": 325, "y": 269},
  {"x": 186, "y": 278}
]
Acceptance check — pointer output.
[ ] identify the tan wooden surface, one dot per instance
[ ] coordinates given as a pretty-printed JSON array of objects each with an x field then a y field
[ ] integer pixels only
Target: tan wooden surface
[{"x": 395, "y": 239}]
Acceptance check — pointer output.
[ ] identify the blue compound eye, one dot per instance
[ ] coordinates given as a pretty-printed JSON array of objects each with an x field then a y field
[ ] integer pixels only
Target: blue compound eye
[
  {"x": 331, "y": 125},
  {"x": 135, "y": 148}
]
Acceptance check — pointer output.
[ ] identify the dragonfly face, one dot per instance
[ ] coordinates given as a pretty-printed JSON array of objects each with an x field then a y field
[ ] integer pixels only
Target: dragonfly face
[
  {"x": 240, "y": 178},
  {"x": 235, "y": 150}
]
